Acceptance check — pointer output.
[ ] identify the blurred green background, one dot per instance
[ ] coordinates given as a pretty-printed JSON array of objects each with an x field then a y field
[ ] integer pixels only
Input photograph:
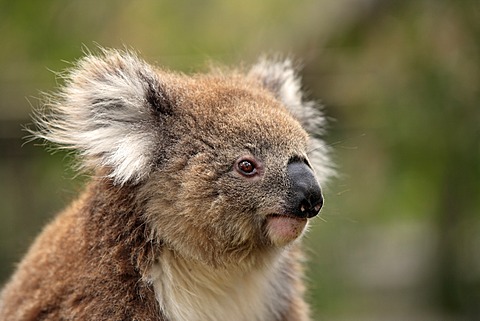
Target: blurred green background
[{"x": 399, "y": 237}]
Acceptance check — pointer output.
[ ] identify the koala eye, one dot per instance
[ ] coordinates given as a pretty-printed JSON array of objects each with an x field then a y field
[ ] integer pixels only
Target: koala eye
[{"x": 247, "y": 166}]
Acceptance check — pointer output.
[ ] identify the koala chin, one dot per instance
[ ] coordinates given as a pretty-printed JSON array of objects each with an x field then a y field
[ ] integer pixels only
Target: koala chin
[{"x": 201, "y": 188}]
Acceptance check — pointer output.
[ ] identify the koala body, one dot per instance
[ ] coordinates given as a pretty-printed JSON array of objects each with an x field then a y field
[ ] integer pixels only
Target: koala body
[{"x": 201, "y": 190}]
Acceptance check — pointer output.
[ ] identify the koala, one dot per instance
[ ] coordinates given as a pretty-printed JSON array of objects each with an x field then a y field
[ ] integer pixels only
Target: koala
[{"x": 200, "y": 189}]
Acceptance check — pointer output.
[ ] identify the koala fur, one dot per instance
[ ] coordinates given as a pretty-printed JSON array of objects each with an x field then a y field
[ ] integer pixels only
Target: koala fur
[{"x": 188, "y": 214}]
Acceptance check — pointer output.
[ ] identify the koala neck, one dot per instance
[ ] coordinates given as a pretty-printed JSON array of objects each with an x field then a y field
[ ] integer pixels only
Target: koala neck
[
  {"x": 119, "y": 227},
  {"x": 194, "y": 291}
]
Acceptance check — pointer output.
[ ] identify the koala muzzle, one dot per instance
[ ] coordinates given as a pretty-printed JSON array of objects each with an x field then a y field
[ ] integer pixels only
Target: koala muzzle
[{"x": 305, "y": 196}]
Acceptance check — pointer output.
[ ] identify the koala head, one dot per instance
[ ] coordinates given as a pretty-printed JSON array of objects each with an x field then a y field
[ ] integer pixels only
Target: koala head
[{"x": 221, "y": 163}]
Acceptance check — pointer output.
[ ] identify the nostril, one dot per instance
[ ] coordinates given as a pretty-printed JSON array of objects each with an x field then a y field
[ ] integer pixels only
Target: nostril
[
  {"x": 310, "y": 207},
  {"x": 319, "y": 203},
  {"x": 303, "y": 208}
]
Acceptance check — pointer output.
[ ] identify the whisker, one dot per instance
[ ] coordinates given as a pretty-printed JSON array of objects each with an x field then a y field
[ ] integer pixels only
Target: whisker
[{"x": 342, "y": 141}]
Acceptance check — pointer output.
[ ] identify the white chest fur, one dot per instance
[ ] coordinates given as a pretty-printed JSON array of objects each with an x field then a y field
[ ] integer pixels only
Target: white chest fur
[{"x": 197, "y": 293}]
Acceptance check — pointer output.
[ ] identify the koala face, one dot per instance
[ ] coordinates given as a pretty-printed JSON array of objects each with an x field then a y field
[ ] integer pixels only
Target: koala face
[
  {"x": 237, "y": 179},
  {"x": 218, "y": 161}
]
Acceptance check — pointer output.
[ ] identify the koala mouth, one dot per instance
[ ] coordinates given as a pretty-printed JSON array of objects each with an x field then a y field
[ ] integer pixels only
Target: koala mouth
[{"x": 283, "y": 228}]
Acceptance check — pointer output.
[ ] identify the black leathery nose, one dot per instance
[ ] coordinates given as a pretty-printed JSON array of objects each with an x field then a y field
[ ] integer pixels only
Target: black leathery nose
[{"x": 305, "y": 196}]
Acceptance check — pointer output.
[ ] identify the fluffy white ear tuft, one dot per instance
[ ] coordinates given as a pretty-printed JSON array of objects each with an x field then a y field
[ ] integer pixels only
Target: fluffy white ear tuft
[
  {"x": 281, "y": 79},
  {"x": 107, "y": 111}
]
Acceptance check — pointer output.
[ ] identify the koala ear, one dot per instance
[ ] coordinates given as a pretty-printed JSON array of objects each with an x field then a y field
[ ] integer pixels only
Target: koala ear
[
  {"x": 280, "y": 78},
  {"x": 107, "y": 111}
]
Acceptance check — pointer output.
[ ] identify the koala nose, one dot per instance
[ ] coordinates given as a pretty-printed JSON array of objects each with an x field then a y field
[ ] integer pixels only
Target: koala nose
[{"x": 305, "y": 196}]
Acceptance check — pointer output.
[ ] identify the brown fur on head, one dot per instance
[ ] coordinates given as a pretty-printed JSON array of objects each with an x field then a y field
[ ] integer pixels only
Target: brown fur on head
[
  {"x": 210, "y": 212},
  {"x": 178, "y": 138},
  {"x": 202, "y": 185}
]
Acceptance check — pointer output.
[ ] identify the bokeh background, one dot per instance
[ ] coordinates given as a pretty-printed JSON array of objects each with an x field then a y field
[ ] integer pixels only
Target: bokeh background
[{"x": 399, "y": 237}]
